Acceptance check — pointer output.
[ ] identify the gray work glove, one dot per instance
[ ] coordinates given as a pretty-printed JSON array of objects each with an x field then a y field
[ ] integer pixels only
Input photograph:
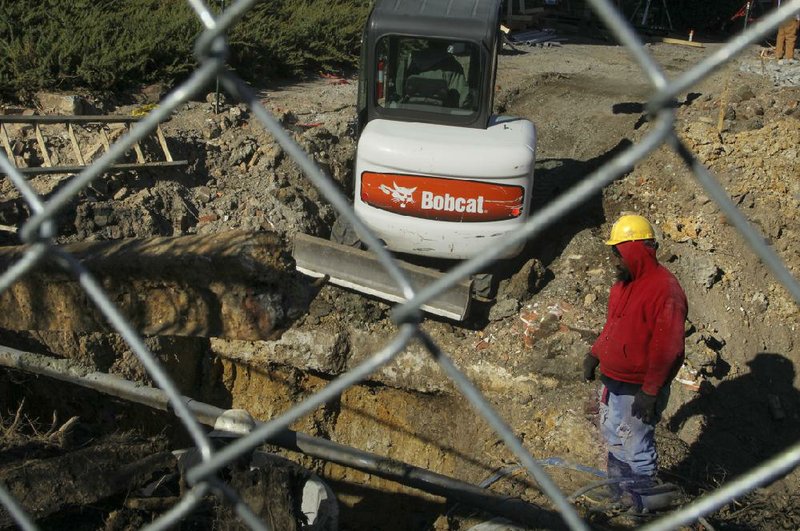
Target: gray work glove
[
  {"x": 644, "y": 407},
  {"x": 590, "y": 363}
]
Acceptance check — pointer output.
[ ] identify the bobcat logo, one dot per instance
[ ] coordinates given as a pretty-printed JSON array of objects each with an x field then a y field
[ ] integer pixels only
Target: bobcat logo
[{"x": 399, "y": 194}]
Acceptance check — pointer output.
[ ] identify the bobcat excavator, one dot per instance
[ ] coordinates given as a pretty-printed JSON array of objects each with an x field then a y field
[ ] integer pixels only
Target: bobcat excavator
[{"x": 437, "y": 175}]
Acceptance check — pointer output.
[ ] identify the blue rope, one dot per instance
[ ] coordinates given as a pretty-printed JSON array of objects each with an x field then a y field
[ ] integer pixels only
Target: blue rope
[{"x": 550, "y": 461}]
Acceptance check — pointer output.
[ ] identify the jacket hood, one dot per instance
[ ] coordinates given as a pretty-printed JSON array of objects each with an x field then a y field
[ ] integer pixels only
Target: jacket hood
[{"x": 638, "y": 257}]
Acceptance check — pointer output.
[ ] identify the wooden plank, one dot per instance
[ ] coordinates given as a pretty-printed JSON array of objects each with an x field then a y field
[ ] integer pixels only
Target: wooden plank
[
  {"x": 163, "y": 142},
  {"x": 104, "y": 139},
  {"x": 222, "y": 286},
  {"x": 7, "y": 145},
  {"x": 139, "y": 154},
  {"x": 75, "y": 147},
  {"x": 68, "y": 118},
  {"x": 136, "y": 147},
  {"x": 105, "y": 142},
  {"x": 42, "y": 146},
  {"x": 669, "y": 40},
  {"x": 41, "y": 170}
]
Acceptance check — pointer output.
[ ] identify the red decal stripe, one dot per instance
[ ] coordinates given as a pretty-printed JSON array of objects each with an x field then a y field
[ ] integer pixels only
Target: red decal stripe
[{"x": 442, "y": 199}]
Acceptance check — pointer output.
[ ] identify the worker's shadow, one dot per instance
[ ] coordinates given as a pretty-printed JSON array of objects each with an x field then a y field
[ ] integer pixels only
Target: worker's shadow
[{"x": 747, "y": 420}]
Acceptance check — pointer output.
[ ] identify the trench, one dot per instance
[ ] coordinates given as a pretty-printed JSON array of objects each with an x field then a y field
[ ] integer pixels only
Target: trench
[
  {"x": 417, "y": 456},
  {"x": 405, "y": 441}
]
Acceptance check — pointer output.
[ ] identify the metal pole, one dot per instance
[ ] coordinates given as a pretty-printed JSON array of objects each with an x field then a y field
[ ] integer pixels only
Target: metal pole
[
  {"x": 646, "y": 12},
  {"x": 746, "y": 14},
  {"x": 216, "y": 89},
  {"x": 666, "y": 12}
]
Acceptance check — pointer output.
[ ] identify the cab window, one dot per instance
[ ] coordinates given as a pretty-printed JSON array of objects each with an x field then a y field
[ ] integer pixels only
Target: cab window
[{"x": 427, "y": 75}]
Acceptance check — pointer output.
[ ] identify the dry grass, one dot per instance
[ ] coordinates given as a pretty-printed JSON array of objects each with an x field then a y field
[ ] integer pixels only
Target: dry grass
[{"x": 20, "y": 430}]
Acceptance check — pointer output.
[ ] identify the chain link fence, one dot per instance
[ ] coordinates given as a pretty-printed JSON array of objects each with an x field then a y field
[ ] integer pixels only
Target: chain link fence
[{"x": 211, "y": 49}]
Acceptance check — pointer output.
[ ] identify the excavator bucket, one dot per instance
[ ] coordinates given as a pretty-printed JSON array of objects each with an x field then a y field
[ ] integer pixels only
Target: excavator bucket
[{"x": 361, "y": 271}]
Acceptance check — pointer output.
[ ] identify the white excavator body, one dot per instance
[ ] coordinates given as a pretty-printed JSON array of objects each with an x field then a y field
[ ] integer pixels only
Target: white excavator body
[
  {"x": 437, "y": 175},
  {"x": 444, "y": 191}
]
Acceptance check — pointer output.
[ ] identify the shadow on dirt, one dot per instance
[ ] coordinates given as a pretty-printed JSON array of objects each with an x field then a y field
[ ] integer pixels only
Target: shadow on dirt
[
  {"x": 552, "y": 178},
  {"x": 748, "y": 419},
  {"x": 393, "y": 511},
  {"x": 633, "y": 107}
]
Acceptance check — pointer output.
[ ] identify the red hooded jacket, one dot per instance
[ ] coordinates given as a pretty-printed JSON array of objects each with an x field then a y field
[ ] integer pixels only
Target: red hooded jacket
[{"x": 642, "y": 341}]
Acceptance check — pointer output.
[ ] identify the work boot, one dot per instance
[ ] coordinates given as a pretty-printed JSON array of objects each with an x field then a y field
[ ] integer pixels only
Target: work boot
[
  {"x": 617, "y": 470},
  {"x": 611, "y": 494},
  {"x": 647, "y": 494},
  {"x": 602, "y": 497}
]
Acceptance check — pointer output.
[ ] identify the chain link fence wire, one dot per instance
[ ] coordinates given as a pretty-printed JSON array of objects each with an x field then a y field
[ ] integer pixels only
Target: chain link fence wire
[{"x": 211, "y": 50}]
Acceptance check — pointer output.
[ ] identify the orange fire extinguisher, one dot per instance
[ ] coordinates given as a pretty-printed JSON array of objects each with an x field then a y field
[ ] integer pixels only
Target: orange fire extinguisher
[{"x": 380, "y": 78}]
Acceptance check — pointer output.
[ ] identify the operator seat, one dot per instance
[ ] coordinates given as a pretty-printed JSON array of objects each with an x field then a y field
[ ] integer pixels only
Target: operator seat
[
  {"x": 420, "y": 89},
  {"x": 435, "y": 77}
]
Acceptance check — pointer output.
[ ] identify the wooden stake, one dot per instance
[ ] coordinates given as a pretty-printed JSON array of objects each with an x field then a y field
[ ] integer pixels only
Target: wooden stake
[
  {"x": 75, "y": 147},
  {"x": 163, "y": 142},
  {"x": 7, "y": 145},
  {"x": 42, "y": 146}
]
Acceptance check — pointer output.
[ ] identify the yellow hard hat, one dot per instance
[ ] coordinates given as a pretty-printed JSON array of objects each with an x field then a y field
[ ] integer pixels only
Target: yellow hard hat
[{"x": 631, "y": 227}]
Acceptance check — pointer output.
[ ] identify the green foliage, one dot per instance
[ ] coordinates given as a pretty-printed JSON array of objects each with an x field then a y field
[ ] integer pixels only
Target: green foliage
[
  {"x": 117, "y": 44},
  {"x": 290, "y": 37},
  {"x": 97, "y": 44}
]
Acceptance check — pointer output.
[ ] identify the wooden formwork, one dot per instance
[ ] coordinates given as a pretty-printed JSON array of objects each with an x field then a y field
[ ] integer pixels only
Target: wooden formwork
[{"x": 102, "y": 129}]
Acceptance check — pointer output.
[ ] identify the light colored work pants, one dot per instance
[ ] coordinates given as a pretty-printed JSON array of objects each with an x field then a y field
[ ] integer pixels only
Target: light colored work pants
[
  {"x": 630, "y": 440},
  {"x": 784, "y": 43}
]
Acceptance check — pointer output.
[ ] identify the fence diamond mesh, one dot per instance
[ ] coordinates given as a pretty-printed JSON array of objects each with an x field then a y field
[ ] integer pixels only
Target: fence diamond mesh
[{"x": 211, "y": 50}]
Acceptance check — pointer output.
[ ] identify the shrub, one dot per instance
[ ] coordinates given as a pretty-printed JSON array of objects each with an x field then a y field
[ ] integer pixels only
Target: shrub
[
  {"x": 118, "y": 44},
  {"x": 292, "y": 37},
  {"x": 96, "y": 44}
]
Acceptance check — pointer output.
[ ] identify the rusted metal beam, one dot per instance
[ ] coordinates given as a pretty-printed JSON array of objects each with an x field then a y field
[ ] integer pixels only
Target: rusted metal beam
[{"x": 231, "y": 285}]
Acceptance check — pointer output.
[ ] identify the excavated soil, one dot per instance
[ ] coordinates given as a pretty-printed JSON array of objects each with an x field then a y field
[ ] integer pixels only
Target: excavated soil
[{"x": 735, "y": 403}]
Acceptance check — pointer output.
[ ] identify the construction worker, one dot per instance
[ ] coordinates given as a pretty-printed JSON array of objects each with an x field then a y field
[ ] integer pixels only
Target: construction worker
[
  {"x": 638, "y": 351},
  {"x": 436, "y": 62},
  {"x": 787, "y": 34}
]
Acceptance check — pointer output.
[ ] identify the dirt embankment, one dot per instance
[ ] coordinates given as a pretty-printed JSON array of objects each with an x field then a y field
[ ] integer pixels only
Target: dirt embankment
[{"x": 736, "y": 402}]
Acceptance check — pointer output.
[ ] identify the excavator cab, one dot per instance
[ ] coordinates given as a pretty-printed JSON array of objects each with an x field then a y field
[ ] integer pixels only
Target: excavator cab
[
  {"x": 430, "y": 62},
  {"x": 438, "y": 177}
]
